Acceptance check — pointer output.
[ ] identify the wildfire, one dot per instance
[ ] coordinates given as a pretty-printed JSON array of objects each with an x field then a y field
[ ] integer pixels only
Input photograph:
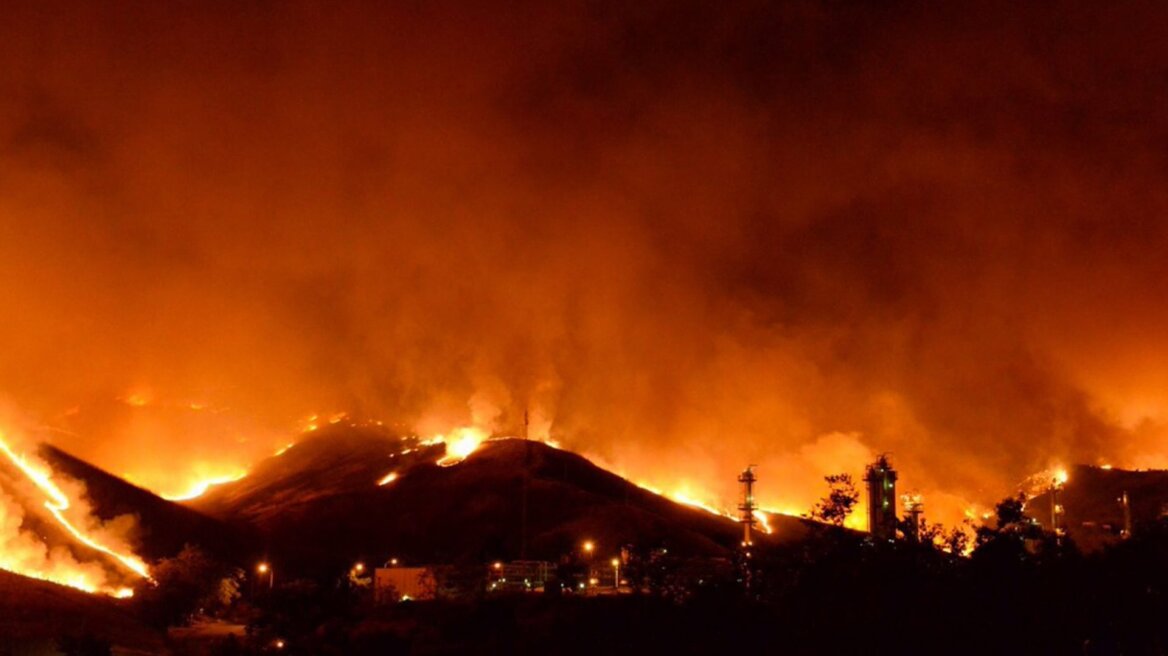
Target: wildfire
[
  {"x": 58, "y": 504},
  {"x": 460, "y": 443},
  {"x": 1041, "y": 482},
  {"x": 138, "y": 399},
  {"x": 684, "y": 497},
  {"x": 763, "y": 521},
  {"x": 309, "y": 425},
  {"x": 199, "y": 488}
]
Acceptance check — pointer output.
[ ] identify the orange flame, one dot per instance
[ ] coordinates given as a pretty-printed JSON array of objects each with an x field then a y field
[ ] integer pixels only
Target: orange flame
[
  {"x": 460, "y": 443},
  {"x": 58, "y": 504},
  {"x": 199, "y": 488}
]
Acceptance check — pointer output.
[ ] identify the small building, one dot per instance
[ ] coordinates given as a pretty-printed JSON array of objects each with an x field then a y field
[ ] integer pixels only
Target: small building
[{"x": 393, "y": 584}]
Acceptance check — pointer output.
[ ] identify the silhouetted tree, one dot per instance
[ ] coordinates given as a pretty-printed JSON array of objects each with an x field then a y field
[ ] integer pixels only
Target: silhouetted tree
[
  {"x": 839, "y": 502},
  {"x": 188, "y": 584}
]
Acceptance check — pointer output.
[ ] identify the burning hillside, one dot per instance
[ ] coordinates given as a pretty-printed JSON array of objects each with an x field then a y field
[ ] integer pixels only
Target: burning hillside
[
  {"x": 48, "y": 532},
  {"x": 1100, "y": 505},
  {"x": 327, "y": 497},
  {"x": 685, "y": 238}
]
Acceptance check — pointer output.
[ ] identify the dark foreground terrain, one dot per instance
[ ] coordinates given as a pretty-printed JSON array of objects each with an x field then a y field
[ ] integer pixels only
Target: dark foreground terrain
[
  {"x": 1021, "y": 592},
  {"x": 44, "y": 618}
]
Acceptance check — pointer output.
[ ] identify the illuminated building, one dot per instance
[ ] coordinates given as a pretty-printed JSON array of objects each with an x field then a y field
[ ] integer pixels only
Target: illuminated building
[{"x": 881, "y": 480}]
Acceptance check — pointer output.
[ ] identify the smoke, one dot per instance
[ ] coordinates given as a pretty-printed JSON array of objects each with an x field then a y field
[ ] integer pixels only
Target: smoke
[
  {"x": 49, "y": 531},
  {"x": 682, "y": 237},
  {"x": 24, "y": 552}
]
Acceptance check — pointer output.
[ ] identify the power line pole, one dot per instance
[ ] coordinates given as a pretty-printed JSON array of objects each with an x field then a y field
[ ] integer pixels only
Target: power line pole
[{"x": 526, "y": 485}]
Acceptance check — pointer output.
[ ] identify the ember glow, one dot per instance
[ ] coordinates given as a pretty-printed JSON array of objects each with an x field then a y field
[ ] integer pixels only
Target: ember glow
[
  {"x": 23, "y": 553},
  {"x": 677, "y": 239}
]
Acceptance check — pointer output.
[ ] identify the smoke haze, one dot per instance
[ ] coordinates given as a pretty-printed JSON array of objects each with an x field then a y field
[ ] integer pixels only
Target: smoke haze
[{"x": 687, "y": 236}]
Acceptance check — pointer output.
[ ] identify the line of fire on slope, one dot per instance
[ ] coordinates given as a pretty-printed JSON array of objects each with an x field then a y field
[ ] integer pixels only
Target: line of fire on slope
[{"x": 585, "y": 572}]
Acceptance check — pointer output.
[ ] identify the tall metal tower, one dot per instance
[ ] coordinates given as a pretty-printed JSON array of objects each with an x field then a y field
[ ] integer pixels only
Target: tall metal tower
[
  {"x": 747, "y": 506},
  {"x": 881, "y": 480}
]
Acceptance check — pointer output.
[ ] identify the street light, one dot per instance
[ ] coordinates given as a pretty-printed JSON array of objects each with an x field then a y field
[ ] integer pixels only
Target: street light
[{"x": 264, "y": 568}]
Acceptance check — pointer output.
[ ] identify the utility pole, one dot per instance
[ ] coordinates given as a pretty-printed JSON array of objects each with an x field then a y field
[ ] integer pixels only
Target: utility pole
[
  {"x": 1127, "y": 527},
  {"x": 526, "y": 485}
]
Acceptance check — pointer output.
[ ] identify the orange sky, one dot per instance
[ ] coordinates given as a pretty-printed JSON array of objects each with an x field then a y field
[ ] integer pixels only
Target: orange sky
[{"x": 689, "y": 236}]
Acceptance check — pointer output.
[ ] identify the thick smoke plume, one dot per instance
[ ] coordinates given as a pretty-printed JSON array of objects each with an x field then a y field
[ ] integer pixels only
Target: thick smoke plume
[{"x": 686, "y": 236}]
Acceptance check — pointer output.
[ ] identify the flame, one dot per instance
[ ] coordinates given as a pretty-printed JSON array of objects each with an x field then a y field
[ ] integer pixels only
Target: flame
[
  {"x": 138, "y": 399},
  {"x": 460, "y": 443},
  {"x": 310, "y": 424},
  {"x": 57, "y": 504},
  {"x": 685, "y": 496},
  {"x": 763, "y": 521},
  {"x": 199, "y": 488},
  {"x": 1041, "y": 482}
]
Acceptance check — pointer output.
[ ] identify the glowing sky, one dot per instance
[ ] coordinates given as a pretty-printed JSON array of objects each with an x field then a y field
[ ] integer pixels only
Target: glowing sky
[{"x": 688, "y": 236}]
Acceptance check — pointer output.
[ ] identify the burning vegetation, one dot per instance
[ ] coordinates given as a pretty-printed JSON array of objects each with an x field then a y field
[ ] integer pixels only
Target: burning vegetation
[
  {"x": 668, "y": 239},
  {"x": 84, "y": 553},
  {"x": 697, "y": 274}
]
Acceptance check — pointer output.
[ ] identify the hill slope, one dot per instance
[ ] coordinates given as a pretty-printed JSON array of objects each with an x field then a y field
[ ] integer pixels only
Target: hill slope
[
  {"x": 163, "y": 526},
  {"x": 320, "y": 501},
  {"x": 1093, "y": 514},
  {"x": 34, "y": 614}
]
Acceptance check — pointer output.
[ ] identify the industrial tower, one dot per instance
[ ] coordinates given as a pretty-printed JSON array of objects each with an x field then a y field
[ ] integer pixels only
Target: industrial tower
[
  {"x": 881, "y": 480},
  {"x": 747, "y": 506}
]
